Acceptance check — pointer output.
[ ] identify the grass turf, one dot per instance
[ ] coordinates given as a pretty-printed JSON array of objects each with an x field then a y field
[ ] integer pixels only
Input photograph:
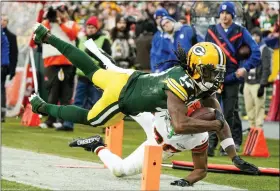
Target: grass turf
[
  {"x": 52, "y": 142},
  {"x": 11, "y": 185}
]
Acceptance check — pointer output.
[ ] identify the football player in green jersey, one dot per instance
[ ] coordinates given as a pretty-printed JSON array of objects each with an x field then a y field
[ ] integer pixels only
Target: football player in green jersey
[{"x": 128, "y": 92}]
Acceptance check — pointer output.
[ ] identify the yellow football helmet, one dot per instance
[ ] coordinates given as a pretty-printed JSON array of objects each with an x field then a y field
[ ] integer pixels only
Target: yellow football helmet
[{"x": 206, "y": 63}]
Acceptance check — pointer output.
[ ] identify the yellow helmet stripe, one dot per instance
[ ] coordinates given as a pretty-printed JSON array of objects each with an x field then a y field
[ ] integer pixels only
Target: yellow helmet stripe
[
  {"x": 177, "y": 89},
  {"x": 220, "y": 53}
]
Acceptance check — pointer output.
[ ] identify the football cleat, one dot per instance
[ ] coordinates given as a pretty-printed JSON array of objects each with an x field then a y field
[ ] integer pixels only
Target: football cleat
[
  {"x": 245, "y": 166},
  {"x": 36, "y": 101},
  {"x": 182, "y": 182},
  {"x": 40, "y": 31},
  {"x": 89, "y": 144}
]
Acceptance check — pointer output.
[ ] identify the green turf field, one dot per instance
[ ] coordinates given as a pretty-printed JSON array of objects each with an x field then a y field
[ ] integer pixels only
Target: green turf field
[
  {"x": 49, "y": 141},
  {"x": 11, "y": 185}
]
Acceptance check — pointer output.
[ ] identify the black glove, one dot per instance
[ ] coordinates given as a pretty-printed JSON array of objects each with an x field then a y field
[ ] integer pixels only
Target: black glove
[
  {"x": 181, "y": 182},
  {"x": 261, "y": 91},
  {"x": 245, "y": 166},
  {"x": 220, "y": 117}
]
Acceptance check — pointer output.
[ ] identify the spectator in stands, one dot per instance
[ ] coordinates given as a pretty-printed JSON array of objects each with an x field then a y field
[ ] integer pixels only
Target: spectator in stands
[
  {"x": 272, "y": 39},
  {"x": 183, "y": 20},
  {"x": 273, "y": 12},
  {"x": 143, "y": 47},
  {"x": 173, "y": 10},
  {"x": 123, "y": 46},
  {"x": 59, "y": 72},
  {"x": 155, "y": 56},
  {"x": 255, "y": 82},
  {"x": 188, "y": 14},
  {"x": 12, "y": 38},
  {"x": 175, "y": 34},
  {"x": 146, "y": 17},
  {"x": 230, "y": 36},
  {"x": 252, "y": 17},
  {"x": 5, "y": 61},
  {"x": 86, "y": 93}
]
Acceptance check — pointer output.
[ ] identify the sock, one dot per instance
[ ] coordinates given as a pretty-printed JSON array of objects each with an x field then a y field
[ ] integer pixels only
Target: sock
[
  {"x": 77, "y": 57},
  {"x": 112, "y": 161},
  {"x": 98, "y": 149},
  {"x": 67, "y": 112}
]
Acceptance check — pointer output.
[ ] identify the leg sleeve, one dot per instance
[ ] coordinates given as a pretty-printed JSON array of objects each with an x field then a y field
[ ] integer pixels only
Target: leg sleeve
[
  {"x": 78, "y": 58},
  {"x": 131, "y": 165},
  {"x": 68, "y": 113}
]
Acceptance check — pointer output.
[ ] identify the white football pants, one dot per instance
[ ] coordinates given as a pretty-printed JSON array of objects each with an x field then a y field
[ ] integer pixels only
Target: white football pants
[{"x": 132, "y": 164}]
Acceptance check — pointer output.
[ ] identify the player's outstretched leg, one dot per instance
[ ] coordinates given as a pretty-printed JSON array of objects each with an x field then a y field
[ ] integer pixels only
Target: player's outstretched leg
[
  {"x": 131, "y": 165},
  {"x": 66, "y": 112},
  {"x": 77, "y": 57}
]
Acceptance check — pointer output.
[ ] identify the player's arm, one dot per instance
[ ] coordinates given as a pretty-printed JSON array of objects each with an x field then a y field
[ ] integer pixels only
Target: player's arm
[
  {"x": 187, "y": 125},
  {"x": 227, "y": 142},
  {"x": 200, "y": 169},
  {"x": 225, "y": 134}
]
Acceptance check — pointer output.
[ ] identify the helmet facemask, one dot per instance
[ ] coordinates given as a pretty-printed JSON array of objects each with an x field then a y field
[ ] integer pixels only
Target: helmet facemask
[{"x": 211, "y": 78}]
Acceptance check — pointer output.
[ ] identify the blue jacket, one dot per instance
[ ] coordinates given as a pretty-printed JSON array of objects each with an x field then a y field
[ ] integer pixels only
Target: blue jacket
[
  {"x": 5, "y": 51},
  {"x": 154, "y": 57},
  {"x": 183, "y": 35},
  {"x": 239, "y": 36}
]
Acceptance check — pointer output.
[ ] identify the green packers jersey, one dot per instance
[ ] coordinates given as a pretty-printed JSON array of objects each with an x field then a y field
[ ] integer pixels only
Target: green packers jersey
[{"x": 146, "y": 92}]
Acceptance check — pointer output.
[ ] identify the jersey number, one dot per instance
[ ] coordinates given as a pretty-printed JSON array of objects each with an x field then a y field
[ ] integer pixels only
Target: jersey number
[{"x": 185, "y": 80}]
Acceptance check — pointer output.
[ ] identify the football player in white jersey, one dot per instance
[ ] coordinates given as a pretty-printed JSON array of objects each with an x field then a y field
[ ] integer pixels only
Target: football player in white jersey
[{"x": 159, "y": 132}]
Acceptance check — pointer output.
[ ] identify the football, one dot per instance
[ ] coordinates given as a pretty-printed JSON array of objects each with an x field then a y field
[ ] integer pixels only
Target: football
[
  {"x": 243, "y": 52},
  {"x": 204, "y": 113}
]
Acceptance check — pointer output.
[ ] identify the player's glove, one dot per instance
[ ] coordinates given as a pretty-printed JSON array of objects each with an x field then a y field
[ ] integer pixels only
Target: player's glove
[
  {"x": 245, "y": 166},
  {"x": 181, "y": 182},
  {"x": 220, "y": 117}
]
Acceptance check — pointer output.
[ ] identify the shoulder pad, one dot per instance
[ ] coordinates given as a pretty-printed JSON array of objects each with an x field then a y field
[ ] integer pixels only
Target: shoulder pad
[{"x": 182, "y": 87}]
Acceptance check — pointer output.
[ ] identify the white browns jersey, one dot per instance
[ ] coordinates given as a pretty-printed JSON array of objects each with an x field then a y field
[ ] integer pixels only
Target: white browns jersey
[{"x": 176, "y": 142}]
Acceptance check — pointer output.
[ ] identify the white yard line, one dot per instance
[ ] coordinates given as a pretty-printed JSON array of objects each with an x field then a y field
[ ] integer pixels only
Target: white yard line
[{"x": 41, "y": 170}]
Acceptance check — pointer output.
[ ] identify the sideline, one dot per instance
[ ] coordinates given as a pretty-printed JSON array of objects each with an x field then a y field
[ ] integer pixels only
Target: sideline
[{"x": 40, "y": 170}]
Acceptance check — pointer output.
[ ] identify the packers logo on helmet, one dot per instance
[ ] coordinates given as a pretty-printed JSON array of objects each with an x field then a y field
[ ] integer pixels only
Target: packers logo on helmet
[{"x": 206, "y": 64}]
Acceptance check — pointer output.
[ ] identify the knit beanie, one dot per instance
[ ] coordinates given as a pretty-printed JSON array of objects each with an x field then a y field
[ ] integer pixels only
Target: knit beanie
[
  {"x": 93, "y": 21},
  {"x": 228, "y": 7},
  {"x": 160, "y": 12}
]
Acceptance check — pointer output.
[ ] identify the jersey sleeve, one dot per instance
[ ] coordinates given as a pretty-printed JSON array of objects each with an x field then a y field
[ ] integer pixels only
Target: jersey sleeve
[{"x": 182, "y": 87}]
